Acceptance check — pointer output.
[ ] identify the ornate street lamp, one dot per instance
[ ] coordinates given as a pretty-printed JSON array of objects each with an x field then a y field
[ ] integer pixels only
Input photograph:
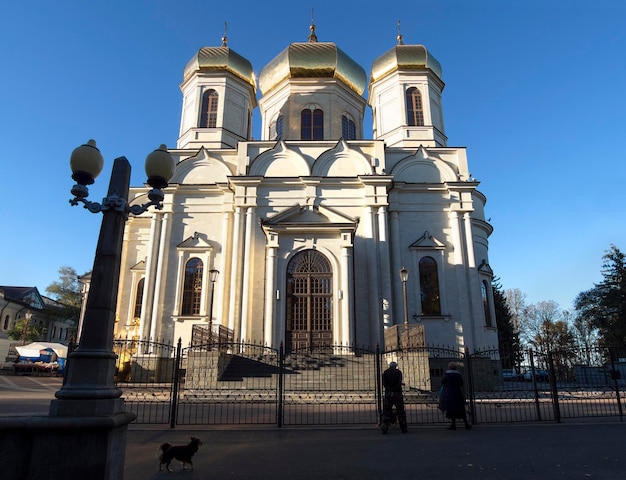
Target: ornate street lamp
[
  {"x": 404, "y": 276},
  {"x": 90, "y": 388},
  {"x": 213, "y": 277}
]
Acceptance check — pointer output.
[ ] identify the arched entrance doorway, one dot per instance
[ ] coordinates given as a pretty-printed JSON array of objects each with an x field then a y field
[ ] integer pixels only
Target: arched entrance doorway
[{"x": 309, "y": 301}]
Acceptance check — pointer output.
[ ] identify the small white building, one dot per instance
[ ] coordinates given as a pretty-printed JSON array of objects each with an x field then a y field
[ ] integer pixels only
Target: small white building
[{"x": 299, "y": 237}]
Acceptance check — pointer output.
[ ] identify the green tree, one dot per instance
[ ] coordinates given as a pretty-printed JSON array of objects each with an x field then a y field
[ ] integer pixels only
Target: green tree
[
  {"x": 508, "y": 339},
  {"x": 585, "y": 336},
  {"x": 67, "y": 290},
  {"x": 604, "y": 305},
  {"x": 25, "y": 331}
]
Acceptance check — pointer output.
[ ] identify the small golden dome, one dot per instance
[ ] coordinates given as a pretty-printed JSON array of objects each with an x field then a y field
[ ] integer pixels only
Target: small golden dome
[
  {"x": 405, "y": 57},
  {"x": 313, "y": 60},
  {"x": 220, "y": 59}
]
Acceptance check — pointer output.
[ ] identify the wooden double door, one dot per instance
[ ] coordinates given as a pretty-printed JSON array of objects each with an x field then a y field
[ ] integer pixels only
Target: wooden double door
[{"x": 309, "y": 302}]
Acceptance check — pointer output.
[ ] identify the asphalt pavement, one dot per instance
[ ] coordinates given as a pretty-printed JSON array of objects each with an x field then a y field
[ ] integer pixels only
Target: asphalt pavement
[
  {"x": 516, "y": 452},
  {"x": 585, "y": 449}
]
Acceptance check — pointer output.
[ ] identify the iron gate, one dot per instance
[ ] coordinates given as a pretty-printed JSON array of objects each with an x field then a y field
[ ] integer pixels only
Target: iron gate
[{"x": 239, "y": 383}]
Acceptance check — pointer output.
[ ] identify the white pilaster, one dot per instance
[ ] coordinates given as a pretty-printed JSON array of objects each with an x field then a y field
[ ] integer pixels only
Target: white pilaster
[
  {"x": 151, "y": 260},
  {"x": 247, "y": 273},
  {"x": 385, "y": 280},
  {"x": 159, "y": 273},
  {"x": 472, "y": 280},
  {"x": 396, "y": 266},
  {"x": 220, "y": 308},
  {"x": 347, "y": 330},
  {"x": 372, "y": 268},
  {"x": 270, "y": 286},
  {"x": 235, "y": 279}
]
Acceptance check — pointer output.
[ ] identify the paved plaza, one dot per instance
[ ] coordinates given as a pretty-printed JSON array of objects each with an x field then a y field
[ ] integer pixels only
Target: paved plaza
[
  {"x": 575, "y": 449},
  {"x": 516, "y": 452}
]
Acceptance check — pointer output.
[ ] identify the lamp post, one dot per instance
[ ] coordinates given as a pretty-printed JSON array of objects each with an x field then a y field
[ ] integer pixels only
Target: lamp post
[
  {"x": 404, "y": 276},
  {"x": 213, "y": 277},
  {"x": 92, "y": 364},
  {"x": 84, "y": 435}
]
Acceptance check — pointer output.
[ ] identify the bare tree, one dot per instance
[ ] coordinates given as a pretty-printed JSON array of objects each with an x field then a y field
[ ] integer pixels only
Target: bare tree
[
  {"x": 546, "y": 327},
  {"x": 516, "y": 300}
]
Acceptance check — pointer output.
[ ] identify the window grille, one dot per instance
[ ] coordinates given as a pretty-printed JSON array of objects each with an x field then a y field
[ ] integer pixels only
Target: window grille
[
  {"x": 208, "y": 118},
  {"x": 429, "y": 286},
  {"x": 414, "y": 109}
]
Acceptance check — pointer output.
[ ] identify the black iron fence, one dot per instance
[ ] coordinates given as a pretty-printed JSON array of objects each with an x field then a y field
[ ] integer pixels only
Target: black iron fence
[{"x": 242, "y": 383}]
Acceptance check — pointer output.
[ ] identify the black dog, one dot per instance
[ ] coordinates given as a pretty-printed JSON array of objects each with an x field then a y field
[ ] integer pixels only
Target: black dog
[{"x": 182, "y": 453}]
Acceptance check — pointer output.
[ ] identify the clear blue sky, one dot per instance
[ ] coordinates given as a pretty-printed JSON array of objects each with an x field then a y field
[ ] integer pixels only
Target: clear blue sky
[{"x": 536, "y": 90}]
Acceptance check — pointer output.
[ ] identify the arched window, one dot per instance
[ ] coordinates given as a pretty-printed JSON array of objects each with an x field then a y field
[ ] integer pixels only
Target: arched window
[
  {"x": 6, "y": 323},
  {"x": 192, "y": 287},
  {"x": 484, "y": 290},
  {"x": 139, "y": 298},
  {"x": 312, "y": 124},
  {"x": 309, "y": 301},
  {"x": 208, "y": 119},
  {"x": 429, "y": 286},
  {"x": 414, "y": 109},
  {"x": 348, "y": 128},
  {"x": 276, "y": 129}
]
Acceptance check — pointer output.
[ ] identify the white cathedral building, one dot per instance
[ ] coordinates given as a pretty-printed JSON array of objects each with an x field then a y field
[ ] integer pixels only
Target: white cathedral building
[{"x": 299, "y": 237}]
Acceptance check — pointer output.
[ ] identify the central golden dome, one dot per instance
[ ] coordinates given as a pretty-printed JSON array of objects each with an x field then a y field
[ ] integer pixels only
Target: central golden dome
[{"x": 313, "y": 60}]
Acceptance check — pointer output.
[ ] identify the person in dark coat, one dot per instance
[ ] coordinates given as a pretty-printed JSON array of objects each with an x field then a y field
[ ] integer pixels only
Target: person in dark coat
[
  {"x": 452, "y": 399},
  {"x": 392, "y": 383}
]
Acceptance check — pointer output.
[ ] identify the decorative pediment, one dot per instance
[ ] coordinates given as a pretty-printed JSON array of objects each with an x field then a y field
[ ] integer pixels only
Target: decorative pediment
[
  {"x": 427, "y": 242},
  {"x": 308, "y": 218},
  {"x": 139, "y": 267},
  {"x": 280, "y": 161},
  {"x": 423, "y": 167},
  {"x": 342, "y": 161},
  {"x": 194, "y": 243},
  {"x": 202, "y": 168},
  {"x": 485, "y": 268}
]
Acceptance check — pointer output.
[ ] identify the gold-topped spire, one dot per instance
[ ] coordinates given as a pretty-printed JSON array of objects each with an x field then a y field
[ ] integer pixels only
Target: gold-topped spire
[
  {"x": 312, "y": 36},
  {"x": 399, "y": 37},
  {"x": 225, "y": 38}
]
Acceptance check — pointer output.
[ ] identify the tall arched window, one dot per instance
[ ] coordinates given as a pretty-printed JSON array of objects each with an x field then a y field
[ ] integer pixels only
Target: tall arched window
[
  {"x": 309, "y": 301},
  {"x": 139, "y": 298},
  {"x": 192, "y": 287},
  {"x": 208, "y": 118},
  {"x": 312, "y": 124},
  {"x": 348, "y": 128},
  {"x": 414, "y": 109},
  {"x": 6, "y": 323},
  {"x": 484, "y": 290},
  {"x": 276, "y": 129},
  {"x": 429, "y": 286}
]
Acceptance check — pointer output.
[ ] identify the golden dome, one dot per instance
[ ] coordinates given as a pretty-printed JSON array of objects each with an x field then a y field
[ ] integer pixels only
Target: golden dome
[
  {"x": 220, "y": 59},
  {"x": 405, "y": 57},
  {"x": 313, "y": 60}
]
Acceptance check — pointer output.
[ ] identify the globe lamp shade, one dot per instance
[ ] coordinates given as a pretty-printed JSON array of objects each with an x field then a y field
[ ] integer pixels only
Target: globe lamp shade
[
  {"x": 86, "y": 163},
  {"x": 159, "y": 167}
]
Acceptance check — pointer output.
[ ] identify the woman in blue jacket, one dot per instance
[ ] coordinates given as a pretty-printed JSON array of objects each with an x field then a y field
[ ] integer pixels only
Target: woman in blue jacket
[{"x": 452, "y": 399}]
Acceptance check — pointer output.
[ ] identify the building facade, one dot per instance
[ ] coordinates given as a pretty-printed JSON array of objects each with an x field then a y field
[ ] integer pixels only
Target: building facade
[
  {"x": 35, "y": 316},
  {"x": 299, "y": 237}
]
